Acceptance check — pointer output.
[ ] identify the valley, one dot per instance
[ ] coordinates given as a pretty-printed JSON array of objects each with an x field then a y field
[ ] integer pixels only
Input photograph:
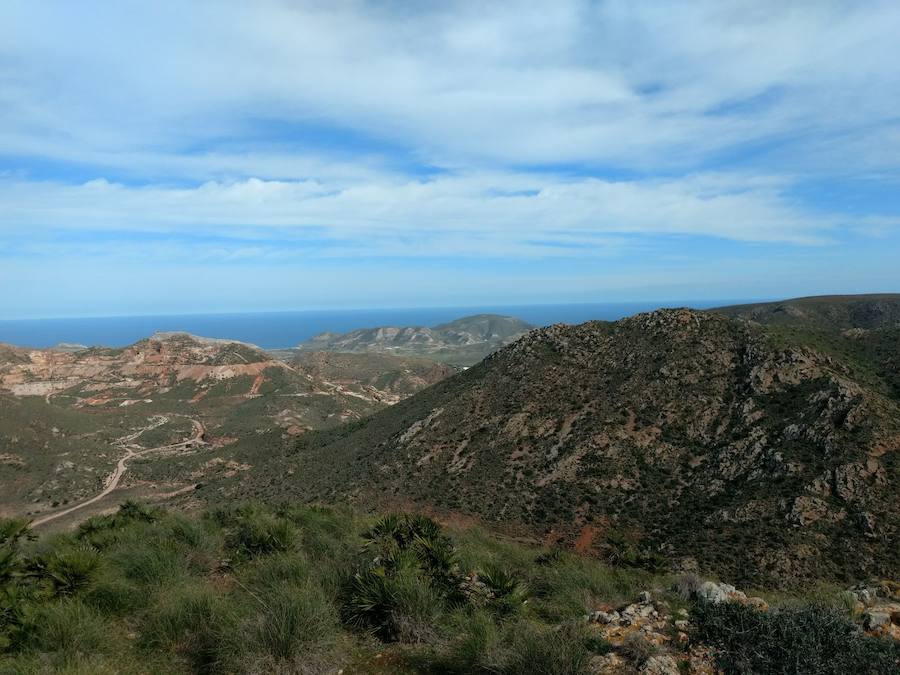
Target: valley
[
  {"x": 597, "y": 487},
  {"x": 66, "y": 416}
]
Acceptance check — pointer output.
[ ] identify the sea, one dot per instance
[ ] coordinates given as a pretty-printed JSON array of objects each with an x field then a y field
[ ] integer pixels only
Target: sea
[{"x": 278, "y": 330}]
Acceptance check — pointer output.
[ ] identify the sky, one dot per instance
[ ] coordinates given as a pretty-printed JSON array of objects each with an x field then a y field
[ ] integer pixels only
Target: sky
[{"x": 218, "y": 156}]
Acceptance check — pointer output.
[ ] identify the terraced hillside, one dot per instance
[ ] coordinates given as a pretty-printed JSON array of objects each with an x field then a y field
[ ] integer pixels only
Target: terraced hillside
[{"x": 673, "y": 438}]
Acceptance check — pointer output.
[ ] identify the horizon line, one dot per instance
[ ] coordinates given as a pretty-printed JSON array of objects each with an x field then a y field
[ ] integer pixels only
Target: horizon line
[{"x": 686, "y": 302}]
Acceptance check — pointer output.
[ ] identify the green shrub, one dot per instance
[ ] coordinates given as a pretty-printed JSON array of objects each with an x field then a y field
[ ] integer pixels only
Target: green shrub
[
  {"x": 115, "y": 596},
  {"x": 74, "y": 664},
  {"x": 133, "y": 511},
  {"x": 623, "y": 551},
  {"x": 544, "y": 651},
  {"x": 410, "y": 575},
  {"x": 292, "y": 618},
  {"x": 637, "y": 649},
  {"x": 104, "y": 530},
  {"x": 254, "y": 532},
  {"x": 68, "y": 626},
  {"x": 14, "y": 603},
  {"x": 189, "y": 532},
  {"x": 274, "y": 571},
  {"x": 67, "y": 571},
  {"x": 508, "y": 590},
  {"x": 396, "y": 535},
  {"x": 809, "y": 639},
  {"x": 399, "y": 603},
  {"x": 195, "y": 622},
  {"x": 147, "y": 564},
  {"x": 573, "y": 585},
  {"x": 328, "y": 534},
  {"x": 474, "y": 644},
  {"x": 13, "y": 532}
]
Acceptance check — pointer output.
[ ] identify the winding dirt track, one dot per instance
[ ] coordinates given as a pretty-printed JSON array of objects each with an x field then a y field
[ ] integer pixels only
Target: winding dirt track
[{"x": 121, "y": 466}]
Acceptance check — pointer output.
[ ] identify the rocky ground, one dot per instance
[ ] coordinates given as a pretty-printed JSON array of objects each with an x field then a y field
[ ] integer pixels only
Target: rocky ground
[{"x": 652, "y": 637}]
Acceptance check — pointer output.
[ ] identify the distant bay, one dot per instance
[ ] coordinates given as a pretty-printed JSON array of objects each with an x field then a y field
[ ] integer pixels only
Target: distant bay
[{"x": 286, "y": 329}]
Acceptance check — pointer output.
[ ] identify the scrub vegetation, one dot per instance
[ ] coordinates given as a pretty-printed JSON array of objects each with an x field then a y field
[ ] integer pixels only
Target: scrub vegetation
[{"x": 303, "y": 589}]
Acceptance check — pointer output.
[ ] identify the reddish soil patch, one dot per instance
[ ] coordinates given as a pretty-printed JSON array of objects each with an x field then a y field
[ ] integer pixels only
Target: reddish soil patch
[
  {"x": 585, "y": 541},
  {"x": 257, "y": 383}
]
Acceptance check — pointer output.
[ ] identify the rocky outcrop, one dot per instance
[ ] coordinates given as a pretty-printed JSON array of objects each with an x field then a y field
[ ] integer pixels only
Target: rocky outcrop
[{"x": 649, "y": 636}]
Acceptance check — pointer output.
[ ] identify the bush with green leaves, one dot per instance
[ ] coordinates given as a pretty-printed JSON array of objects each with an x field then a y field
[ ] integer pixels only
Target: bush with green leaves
[
  {"x": 196, "y": 623},
  {"x": 395, "y": 602},
  {"x": 507, "y": 590},
  {"x": 638, "y": 649},
  {"x": 289, "y": 618},
  {"x": 255, "y": 588},
  {"x": 253, "y": 531},
  {"x": 807, "y": 639},
  {"x": 14, "y": 533},
  {"x": 397, "y": 537},
  {"x": 66, "y": 571}
]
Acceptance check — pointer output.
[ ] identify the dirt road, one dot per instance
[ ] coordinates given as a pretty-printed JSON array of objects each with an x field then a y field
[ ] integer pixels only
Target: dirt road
[{"x": 112, "y": 482}]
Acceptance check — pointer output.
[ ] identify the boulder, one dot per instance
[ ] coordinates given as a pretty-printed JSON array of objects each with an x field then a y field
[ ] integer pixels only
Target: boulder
[
  {"x": 713, "y": 592},
  {"x": 604, "y": 617},
  {"x": 757, "y": 603},
  {"x": 874, "y": 620},
  {"x": 606, "y": 664},
  {"x": 866, "y": 595},
  {"x": 659, "y": 665}
]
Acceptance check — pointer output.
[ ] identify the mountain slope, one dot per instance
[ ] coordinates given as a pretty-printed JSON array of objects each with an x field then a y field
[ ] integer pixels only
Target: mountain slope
[
  {"x": 676, "y": 433},
  {"x": 67, "y": 417},
  {"x": 463, "y": 341},
  {"x": 385, "y": 377},
  {"x": 829, "y": 312},
  {"x": 859, "y": 330}
]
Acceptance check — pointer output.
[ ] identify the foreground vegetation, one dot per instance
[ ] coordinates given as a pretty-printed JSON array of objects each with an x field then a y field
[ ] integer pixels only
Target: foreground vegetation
[{"x": 296, "y": 589}]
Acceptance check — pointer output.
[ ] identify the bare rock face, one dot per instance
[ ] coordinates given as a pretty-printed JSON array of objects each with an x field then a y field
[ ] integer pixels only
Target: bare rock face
[
  {"x": 660, "y": 665},
  {"x": 147, "y": 365}
]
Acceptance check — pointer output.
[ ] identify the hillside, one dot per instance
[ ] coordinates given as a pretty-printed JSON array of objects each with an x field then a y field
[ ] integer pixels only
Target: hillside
[
  {"x": 463, "y": 342},
  {"x": 675, "y": 438},
  {"x": 67, "y": 417},
  {"x": 827, "y": 312},
  {"x": 860, "y": 330},
  {"x": 385, "y": 377},
  {"x": 253, "y": 588}
]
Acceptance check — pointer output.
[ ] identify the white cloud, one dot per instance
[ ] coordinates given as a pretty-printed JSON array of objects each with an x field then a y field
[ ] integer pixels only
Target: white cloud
[
  {"x": 223, "y": 133},
  {"x": 611, "y": 83},
  {"x": 514, "y": 213}
]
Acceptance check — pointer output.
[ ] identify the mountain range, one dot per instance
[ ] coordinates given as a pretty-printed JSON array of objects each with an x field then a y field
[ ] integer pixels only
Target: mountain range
[
  {"x": 464, "y": 341},
  {"x": 733, "y": 441},
  {"x": 757, "y": 442}
]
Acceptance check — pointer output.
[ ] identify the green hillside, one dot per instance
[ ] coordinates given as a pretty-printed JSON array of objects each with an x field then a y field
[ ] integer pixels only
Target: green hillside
[
  {"x": 253, "y": 589},
  {"x": 669, "y": 439}
]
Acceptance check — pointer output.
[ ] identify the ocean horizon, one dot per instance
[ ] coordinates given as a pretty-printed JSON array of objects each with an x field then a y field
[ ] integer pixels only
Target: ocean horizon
[{"x": 275, "y": 330}]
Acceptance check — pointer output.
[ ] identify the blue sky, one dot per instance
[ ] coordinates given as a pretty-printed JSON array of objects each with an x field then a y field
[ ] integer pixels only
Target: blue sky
[{"x": 165, "y": 157}]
